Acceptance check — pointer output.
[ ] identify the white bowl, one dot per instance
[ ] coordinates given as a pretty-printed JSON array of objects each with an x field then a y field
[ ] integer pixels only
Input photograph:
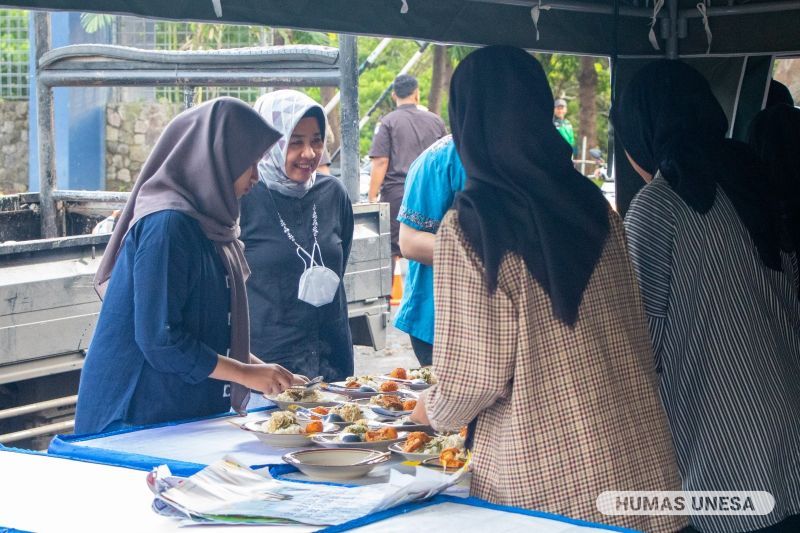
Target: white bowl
[
  {"x": 291, "y": 440},
  {"x": 397, "y": 448},
  {"x": 333, "y": 465},
  {"x": 327, "y": 399}
]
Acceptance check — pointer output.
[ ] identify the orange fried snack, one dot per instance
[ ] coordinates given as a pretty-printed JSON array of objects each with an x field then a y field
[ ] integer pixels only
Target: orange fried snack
[
  {"x": 416, "y": 440},
  {"x": 399, "y": 373},
  {"x": 314, "y": 427},
  {"x": 392, "y": 402},
  {"x": 409, "y": 405},
  {"x": 321, "y": 410},
  {"x": 463, "y": 432},
  {"x": 380, "y": 434},
  {"x": 389, "y": 386},
  {"x": 352, "y": 384},
  {"x": 449, "y": 458}
]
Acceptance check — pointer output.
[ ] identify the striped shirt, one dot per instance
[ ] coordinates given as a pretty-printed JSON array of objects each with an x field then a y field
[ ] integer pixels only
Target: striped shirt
[{"x": 726, "y": 338}]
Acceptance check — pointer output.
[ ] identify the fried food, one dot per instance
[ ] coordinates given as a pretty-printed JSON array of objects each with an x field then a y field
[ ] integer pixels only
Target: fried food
[
  {"x": 389, "y": 386},
  {"x": 409, "y": 405},
  {"x": 452, "y": 458},
  {"x": 392, "y": 402},
  {"x": 399, "y": 373},
  {"x": 320, "y": 410},
  {"x": 380, "y": 434},
  {"x": 314, "y": 427},
  {"x": 416, "y": 440}
]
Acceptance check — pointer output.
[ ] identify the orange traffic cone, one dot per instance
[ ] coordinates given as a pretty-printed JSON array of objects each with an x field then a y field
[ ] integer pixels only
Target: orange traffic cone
[{"x": 397, "y": 285}]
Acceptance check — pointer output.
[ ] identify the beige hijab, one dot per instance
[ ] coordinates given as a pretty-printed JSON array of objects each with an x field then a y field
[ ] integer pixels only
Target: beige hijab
[{"x": 192, "y": 169}]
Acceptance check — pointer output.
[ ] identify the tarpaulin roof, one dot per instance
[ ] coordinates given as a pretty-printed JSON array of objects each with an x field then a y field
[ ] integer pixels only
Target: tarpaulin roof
[{"x": 597, "y": 27}]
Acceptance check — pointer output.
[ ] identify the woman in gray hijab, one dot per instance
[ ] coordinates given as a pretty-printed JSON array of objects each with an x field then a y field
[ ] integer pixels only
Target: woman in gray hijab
[
  {"x": 297, "y": 226},
  {"x": 172, "y": 339}
]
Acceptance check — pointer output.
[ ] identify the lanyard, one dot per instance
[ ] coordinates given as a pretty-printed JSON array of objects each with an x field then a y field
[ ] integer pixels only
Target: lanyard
[{"x": 314, "y": 229}]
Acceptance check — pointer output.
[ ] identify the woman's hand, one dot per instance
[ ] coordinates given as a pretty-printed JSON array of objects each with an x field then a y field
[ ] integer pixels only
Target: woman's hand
[
  {"x": 268, "y": 378},
  {"x": 299, "y": 379}
]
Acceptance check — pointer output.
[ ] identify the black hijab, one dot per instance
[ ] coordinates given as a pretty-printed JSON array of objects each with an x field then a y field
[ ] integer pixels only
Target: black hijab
[
  {"x": 522, "y": 193},
  {"x": 775, "y": 136},
  {"x": 778, "y": 94},
  {"x": 669, "y": 121}
]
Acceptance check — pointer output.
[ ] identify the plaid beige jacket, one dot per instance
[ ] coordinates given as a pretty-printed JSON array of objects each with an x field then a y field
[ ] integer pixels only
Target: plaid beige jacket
[{"x": 563, "y": 413}]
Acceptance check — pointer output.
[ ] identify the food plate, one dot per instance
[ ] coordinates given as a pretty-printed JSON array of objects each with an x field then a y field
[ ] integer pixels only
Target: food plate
[
  {"x": 326, "y": 399},
  {"x": 335, "y": 464},
  {"x": 332, "y": 441},
  {"x": 397, "y": 448},
  {"x": 304, "y": 415},
  {"x": 412, "y": 384},
  {"x": 435, "y": 463},
  {"x": 398, "y": 423},
  {"x": 378, "y": 410},
  {"x": 339, "y": 388},
  {"x": 290, "y": 440}
]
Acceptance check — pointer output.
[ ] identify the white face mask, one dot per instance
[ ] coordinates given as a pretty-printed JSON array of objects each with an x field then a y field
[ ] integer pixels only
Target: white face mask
[{"x": 318, "y": 284}]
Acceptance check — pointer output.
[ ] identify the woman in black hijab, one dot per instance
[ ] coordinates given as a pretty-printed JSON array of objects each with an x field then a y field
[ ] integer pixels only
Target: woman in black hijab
[
  {"x": 775, "y": 136},
  {"x": 719, "y": 295},
  {"x": 540, "y": 339}
]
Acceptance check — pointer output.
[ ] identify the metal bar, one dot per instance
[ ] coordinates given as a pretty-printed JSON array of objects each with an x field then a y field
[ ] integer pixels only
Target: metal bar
[
  {"x": 672, "y": 38},
  {"x": 49, "y": 429},
  {"x": 743, "y": 9},
  {"x": 361, "y": 68},
  {"x": 583, "y": 156},
  {"x": 38, "y": 406},
  {"x": 179, "y": 78},
  {"x": 580, "y": 7},
  {"x": 91, "y": 196},
  {"x": 44, "y": 97},
  {"x": 348, "y": 56}
]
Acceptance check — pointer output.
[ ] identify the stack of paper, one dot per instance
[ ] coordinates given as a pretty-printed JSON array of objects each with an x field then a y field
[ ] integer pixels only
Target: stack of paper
[{"x": 230, "y": 492}]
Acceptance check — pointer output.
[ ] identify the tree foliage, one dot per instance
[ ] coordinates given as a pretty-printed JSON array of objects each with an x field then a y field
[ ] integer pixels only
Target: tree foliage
[{"x": 562, "y": 70}]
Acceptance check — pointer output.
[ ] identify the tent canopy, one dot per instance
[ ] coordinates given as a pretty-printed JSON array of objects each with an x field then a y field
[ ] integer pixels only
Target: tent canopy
[{"x": 594, "y": 27}]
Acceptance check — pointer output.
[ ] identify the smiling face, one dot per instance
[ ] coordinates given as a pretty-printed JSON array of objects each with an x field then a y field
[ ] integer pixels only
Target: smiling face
[
  {"x": 245, "y": 182},
  {"x": 304, "y": 151},
  {"x": 560, "y": 111}
]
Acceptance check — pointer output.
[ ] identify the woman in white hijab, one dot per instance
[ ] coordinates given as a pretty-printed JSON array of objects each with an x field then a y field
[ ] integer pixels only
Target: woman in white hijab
[{"x": 297, "y": 226}]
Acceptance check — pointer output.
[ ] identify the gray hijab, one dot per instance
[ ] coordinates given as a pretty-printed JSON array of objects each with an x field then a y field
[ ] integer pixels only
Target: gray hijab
[
  {"x": 283, "y": 110},
  {"x": 192, "y": 169}
]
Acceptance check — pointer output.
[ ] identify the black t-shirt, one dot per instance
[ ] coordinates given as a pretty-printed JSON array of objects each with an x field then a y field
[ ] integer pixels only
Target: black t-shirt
[
  {"x": 401, "y": 136},
  {"x": 283, "y": 329}
]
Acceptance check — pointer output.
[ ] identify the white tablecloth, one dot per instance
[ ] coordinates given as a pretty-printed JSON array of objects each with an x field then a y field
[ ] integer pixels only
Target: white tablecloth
[{"x": 43, "y": 494}]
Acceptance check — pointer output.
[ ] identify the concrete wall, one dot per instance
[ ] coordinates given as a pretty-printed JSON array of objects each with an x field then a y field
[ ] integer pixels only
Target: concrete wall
[
  {"x": 13, "y": 146},
  {"x": 131, "y": 132}
]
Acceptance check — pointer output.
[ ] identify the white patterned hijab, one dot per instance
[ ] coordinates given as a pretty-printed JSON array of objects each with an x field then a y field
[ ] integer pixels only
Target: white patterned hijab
[{"x": 283, "y": 110}]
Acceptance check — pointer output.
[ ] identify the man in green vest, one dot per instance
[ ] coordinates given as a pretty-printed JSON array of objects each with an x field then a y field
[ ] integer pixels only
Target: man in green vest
[{"x": 563, "y": 125}]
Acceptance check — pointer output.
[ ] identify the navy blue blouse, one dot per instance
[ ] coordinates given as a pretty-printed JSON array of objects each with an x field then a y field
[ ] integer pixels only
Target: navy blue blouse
[
  {"x": 283, "y": 329},
  {"x": 163, "y": 322}
]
